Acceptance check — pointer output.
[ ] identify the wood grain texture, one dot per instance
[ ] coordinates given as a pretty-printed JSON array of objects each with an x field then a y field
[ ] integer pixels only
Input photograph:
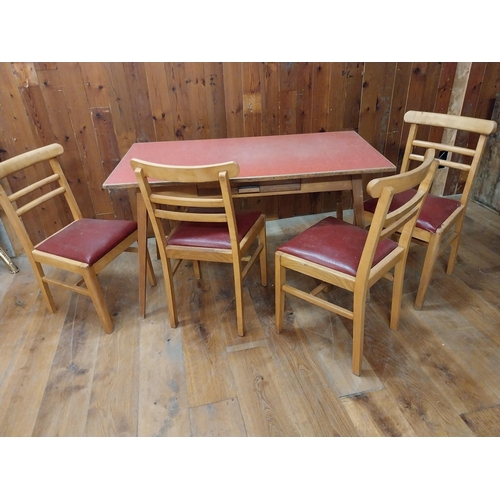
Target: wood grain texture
[
  {"x": 437, "y": 375},
  {"x": 209, "y": 378},
  {"x": 318, "y": 411},
  {"x": 26, "y": 374},
  {"x": 375, "y": 413},
  {"x": 114, "y": 397},
  {"x": 156, "y": 101},
  {"x": 221, "y": 419},
  {"x": 484, "y": 423},
  {"x": 68, "y": 389},
  {"x": 264, "y": 405},
  {"x": 488, "y": 173}
]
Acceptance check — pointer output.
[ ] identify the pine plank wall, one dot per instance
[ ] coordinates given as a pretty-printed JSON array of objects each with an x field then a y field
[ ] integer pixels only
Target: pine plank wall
[{"x": 97, "y": 110}]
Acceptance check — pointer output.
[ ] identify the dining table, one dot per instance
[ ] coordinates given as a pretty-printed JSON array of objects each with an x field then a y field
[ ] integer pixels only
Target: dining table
[{"x": 269, "y": 166}]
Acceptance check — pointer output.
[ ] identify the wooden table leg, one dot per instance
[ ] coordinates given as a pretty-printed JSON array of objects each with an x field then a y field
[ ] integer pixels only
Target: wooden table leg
[
  {"x": 142, "y": 241},
  {"x": 357, "y": 199}
]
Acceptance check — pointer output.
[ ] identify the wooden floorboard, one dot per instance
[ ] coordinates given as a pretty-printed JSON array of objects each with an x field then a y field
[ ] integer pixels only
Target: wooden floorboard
[{"x": 437, "y": 375}]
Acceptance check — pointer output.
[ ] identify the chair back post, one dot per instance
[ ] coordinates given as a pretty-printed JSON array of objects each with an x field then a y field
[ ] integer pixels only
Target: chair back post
[
  {"x": 145, "y": 189},
  {"x": 68, "y": 193},
  {"x": 225, "y": 187},
  {"x": 481, "y": 144},
  {"x": 412, "y": 134},
  {"x": 15, "y": 221},
  {"x": 385, "y": 223}
]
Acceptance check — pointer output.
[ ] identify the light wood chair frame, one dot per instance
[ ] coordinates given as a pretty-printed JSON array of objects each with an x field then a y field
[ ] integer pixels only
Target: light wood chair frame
[
  {"x": 448, "y": 235},
  {"x": 384, "y": 225},
  {"x": 38, "y": 258},
  {"x": 174, "y": 206}
]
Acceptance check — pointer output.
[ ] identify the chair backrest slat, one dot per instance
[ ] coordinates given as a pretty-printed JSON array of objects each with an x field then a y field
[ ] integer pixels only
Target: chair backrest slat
[
  {"x": 189, "y": 216},
  {"x": 385, "y": 222},
  {"x": 398, "y": 218},
  {"x": 444, "y": 163},
  {"x": 181, "y": 200},
  {"x": 466, "y": 123},
  {"x": 33, "y": 187},
  {"x": 29, "y": 158},
  {"x": 444, "y": 147},
  {"x": 41, "y": 199}
]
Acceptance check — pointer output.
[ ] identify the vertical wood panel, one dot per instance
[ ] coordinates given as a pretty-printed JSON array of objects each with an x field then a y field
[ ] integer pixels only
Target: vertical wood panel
[
  {"x": 320, "y": 96},
  {"x": 58, "y": 111},
  {"x": 233, "y": 99},
  {"x": 197, "y": 102},
  {"x": 139, "y": 101},
  {"x": 42, "y": 102},
  {"x": 214, "y": 81},
  {"x": 71, "y": 80},
  {"x": 375, "y": 103},
  {"x": 445, "y": 87},
  {"x": 252, "y": 99},
  {"x": 353, "y": 74},
  {"x": 443, "y": 97},
  {"x": 108, "y": 147},
  {"x": 432, "y": 77},
  {"x": 304, "y": 98},
  {"x": 16, "y": 136},
  {"x": 456, "y": 179},
  {"x": 47, "y": 217},
  {"x": 120, "y": 104},
  {"x": 489, "y": 89},
  {"x": 161, "y": 109},
  {"x": 288, "y": 97},
  {"x": 394, "y": 147},
  {"x": 96, "y": 84},
  {"x": 337, "y": 96},
  {"x": 176, "y": 82},
  {"x": 270, "y": 99}
]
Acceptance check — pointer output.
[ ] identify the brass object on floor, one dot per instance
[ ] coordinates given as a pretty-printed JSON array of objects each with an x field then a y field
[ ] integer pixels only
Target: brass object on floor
[{"x": 12, "y": 267}]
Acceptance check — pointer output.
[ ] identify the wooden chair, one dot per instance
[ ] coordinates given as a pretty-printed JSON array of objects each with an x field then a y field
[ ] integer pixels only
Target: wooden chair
[
  {"x": 202, "y": 227},
  {"x": 84, "y": 247},
  {"x": 440, "y": 222},
  {"x": 350, "y": 257}
]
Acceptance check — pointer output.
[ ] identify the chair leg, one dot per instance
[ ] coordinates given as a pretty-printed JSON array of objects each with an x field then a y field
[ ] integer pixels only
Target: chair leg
[
  {"x": 238, "y": 295},
  {"x": 263, "y": 256},
  {"x": 44, "y": 287},
  {"x": 197, "y": 269},
  {"x": 453, "y": 254},
  {"x": 170, "y": 290},
  {"x": 426, "y": 275},
  {"x": 151, "y": 273},
  {"x": 358, "y": 330},
  {"x": 280, "y": 276},
  {"x": 97, "y": 297},
  {"x": 397, "y": 294}
]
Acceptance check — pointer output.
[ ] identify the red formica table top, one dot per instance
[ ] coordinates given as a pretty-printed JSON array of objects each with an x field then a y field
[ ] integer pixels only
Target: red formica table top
[{"x": 263, "y": 157}]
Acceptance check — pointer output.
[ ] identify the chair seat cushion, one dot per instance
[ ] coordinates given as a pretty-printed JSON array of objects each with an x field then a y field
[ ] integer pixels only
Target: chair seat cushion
[
  {"x": 212, "y": 234},
  {"x": 87, "y": 240},
  {"x": 434, "y": 213},
  {"x": 335, "y": 244}
]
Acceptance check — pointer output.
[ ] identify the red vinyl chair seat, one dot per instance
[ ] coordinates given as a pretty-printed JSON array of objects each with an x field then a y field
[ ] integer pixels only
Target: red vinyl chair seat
[
  {"x": 435, "y": 211},
  {"x": 87, "y": 240},
  {"x": 335, "y": 244},
  {"x": 212, "y": 235}
]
